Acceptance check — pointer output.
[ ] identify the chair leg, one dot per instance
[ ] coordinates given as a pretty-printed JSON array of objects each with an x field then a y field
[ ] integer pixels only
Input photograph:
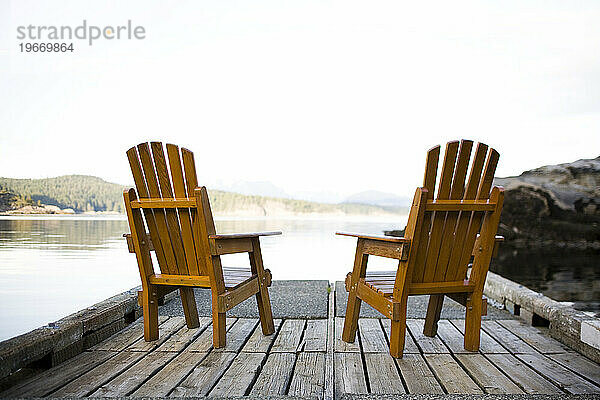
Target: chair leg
[
  {"x": 218, "y": 320},
  {"x": 262, "y": 297},
  {"x": 264, "y": 311},
  {"x": 434, "y": 309},
  {"x": 351, "y": 319},
  {"x": 353, "y": 305},
  {"x": 150, "y": 310},
  {"x": 398, "y": 332},
  {"x": 473, "y": 322},
  {"x": 189, "y": 307}
]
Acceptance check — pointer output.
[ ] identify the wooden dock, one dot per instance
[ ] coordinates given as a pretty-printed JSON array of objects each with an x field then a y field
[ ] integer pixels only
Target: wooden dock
[{"x": 306, "y": 357}]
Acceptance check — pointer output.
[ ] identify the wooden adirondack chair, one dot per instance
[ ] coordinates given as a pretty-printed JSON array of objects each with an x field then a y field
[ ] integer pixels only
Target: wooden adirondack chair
[
  {"x": 440, "y": 238},
  {"x": 181, "y": 231}
]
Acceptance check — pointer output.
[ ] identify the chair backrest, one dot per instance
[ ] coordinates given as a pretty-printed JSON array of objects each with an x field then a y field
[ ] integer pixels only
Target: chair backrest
[
  {"x": 166, "y": 188},
  {"x": 443, "y": 246}
]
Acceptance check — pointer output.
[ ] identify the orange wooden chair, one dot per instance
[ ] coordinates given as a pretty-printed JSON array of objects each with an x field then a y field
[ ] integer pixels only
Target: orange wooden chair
[
  {"x": 181, "y": 231},
  {"x": 441, "y": 237}
]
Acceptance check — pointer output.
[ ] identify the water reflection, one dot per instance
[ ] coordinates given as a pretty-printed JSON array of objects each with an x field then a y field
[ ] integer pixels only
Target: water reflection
[
  {"x": 570, "y": 276},
  {"x": 51, "y": 267}
]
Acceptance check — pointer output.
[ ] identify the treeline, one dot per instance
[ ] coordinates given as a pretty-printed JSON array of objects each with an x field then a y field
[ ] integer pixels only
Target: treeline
[
  {"x": 84, "y": 193},
  {"x": 10, "y": 200},
  {"x": 79, "y": 192}
]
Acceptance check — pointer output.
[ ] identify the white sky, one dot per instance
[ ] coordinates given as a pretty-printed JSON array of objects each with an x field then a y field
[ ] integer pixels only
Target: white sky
[{"x": 336, "y": 96}]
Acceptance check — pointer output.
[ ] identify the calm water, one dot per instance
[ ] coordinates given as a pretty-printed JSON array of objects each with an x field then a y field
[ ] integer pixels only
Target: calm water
[{"x": 52, "y": 266}]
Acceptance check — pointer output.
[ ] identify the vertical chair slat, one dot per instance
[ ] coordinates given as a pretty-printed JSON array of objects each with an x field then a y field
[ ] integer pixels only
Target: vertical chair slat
[
  {"x": 184, "y": 213},
  {"x": 481, "y": 261},
  {"x": 456, "y": 192},
  {"x": 437, "y": 226},
  {"x": 208, "y": 217},
  {"x": 404, "y": 273},
  {"x": 144, "y": 261},
  {"x": 159, "y": 214},
  {"x": 191, "y": 181},
  {"x": 465, "y": 217},
  {"x": 422, "y": 238},
  {"x": 166, "y": 191},
  {"x": 483, "y": 192},
  {"x": 140, "y": 184},
  {"x": 213, "y": 263}
]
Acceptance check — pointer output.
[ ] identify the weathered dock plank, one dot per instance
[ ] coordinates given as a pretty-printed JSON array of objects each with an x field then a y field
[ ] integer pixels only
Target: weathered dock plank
[
  {"x": 329, "y": 382},
  {"x": 526, "y": 378},
  {"x": 340, "y": 345},
  {"x": 165, "y": 331},
  {"x": 275, "y": 375},
  {"x": 532, "y": 336},
  {"x": 205, "y": 375},
  {"x": 129, "y": 380},
  {"x": 382, "y": 374},
  {"x": 452, "y": 377},
  {"x": 90, "y": 381},
  {"x": 579, "y": 364},
  {"x": 184, "y": 336},
  {"x": 371, "y": 336},
  {"x": 349, "y": 374},
  {"x": 238, "y": 334},
  {"x": 240, "y": 375},
  {"x": 417, "y": 375},
  {"x": 204, "y": 342},
  {"x": 452, "y": 337},
  {"x": 46, "y": 382},
  {"x": 165, "y": 380},
  {"x": 258, "y": 342},
  {"x": 410, "y": 347},
  {"x": 428, "y": 345},
  {"x": 561, "y": 376},
  {"x": 487, "y": 344},
  {"x": 309, "y": 376},
  {"x": 315, "y": 335},
  {"x": 120, "y": 340},
  {"x": 289, "y": 336},
  {"x": 487, "y": 375},
  {"x": 507, "y": 339}
]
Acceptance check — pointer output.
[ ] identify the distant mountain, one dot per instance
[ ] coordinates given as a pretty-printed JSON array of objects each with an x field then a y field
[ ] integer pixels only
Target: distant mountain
[
  {"x": 319, "y": 197},
  {"x": 81, "y": 193},
  {"x": 376, "y": 198}
]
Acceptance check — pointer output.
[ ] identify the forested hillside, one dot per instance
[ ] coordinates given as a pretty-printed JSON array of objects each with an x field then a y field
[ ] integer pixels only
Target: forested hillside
[
  {"x": 91, "y": 194},
  {"x": 79, "y": 192}
]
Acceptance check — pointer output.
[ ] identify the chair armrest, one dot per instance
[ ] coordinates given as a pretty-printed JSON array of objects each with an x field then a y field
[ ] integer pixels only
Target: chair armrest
[
  {"x": 383, "y": 238},
  {"x": 131, "y": 246},
  {"x": 382, "y": 246},
  {"x": 243, "y": 235}
]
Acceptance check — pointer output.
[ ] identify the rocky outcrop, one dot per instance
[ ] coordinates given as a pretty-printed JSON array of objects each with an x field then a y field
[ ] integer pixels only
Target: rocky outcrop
[
  {"x": 554, "y": 205},
  {"x": 574, "y": 186}
]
